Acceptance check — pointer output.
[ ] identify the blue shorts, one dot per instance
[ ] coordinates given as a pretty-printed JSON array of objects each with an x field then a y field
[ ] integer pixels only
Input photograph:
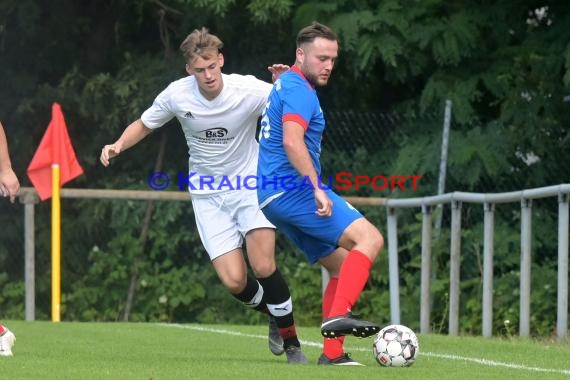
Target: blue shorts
[{"x": 293, "y": 213}]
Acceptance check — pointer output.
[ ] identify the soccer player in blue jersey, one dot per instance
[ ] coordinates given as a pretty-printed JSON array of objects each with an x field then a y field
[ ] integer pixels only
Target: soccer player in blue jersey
[{"x": 328, "y": 229}]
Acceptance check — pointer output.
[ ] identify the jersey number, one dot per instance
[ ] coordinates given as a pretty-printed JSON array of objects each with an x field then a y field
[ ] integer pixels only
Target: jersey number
[{"x": 265, "y": 126}]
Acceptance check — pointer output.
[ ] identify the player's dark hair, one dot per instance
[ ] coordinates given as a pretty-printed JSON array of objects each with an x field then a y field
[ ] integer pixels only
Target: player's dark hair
[{"x": 315, "y": 30}]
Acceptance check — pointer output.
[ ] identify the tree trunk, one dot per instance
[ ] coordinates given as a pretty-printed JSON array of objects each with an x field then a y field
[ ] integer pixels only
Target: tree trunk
[{"x": 143, "y": 238}]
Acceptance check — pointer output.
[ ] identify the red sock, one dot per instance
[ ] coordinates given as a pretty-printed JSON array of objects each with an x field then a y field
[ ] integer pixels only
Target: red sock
[
  {"x": 354, "y": 273},
  {"x": 288, "y": 332},
  {"x": 332, "y": 348},
  {"x": 328, "y": 296}
]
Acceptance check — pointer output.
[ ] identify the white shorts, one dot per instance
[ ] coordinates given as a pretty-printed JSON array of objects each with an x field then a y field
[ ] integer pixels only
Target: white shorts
[{"x": 224, "y": 219}]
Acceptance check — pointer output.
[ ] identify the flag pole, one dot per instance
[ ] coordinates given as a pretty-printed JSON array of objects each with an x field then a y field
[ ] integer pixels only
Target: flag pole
[
  {"x": 55, "y": 245},
  {"x": 53, "y": 165}
]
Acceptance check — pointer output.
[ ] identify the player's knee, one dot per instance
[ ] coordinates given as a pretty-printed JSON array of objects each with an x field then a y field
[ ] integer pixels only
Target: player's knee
[
  {"x": 263, "y": 268},
  {"x": 234, "y": 284},
  {"x": 375, "y": 242},
  {"x": 378, "y": 241}
]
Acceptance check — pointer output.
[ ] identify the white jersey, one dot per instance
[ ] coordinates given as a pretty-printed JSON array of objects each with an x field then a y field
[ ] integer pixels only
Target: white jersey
[{"x": 220, "y": 133}]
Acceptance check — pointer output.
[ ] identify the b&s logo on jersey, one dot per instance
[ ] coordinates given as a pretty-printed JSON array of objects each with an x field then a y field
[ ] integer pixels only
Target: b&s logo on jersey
[
  {"x": 215, "y": 132},
  {"x": 214, "y": 136}
]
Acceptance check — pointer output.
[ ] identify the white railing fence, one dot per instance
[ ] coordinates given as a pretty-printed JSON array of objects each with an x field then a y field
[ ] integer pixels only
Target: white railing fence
[{"x": 488, "y": 201}]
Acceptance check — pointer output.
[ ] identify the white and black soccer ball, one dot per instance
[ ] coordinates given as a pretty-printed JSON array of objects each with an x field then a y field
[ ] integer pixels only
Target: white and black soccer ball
[{"x": 396, "y": 346}]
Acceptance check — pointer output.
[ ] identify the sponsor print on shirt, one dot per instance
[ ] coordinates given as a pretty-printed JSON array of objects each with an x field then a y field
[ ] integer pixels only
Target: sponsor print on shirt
[{"x": 215, "y": 136}]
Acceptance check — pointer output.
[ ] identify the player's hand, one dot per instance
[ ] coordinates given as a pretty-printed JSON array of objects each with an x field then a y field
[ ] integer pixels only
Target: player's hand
[
  {"x": 324, "y": 204},
  {"x": 110, "y": 151},
  {"x": 276, "y": 70},
  {"x": 9, "y": 184}
]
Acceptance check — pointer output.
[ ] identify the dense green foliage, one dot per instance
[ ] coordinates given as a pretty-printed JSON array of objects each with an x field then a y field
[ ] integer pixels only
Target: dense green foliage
[{"x": 505, "y": 65}]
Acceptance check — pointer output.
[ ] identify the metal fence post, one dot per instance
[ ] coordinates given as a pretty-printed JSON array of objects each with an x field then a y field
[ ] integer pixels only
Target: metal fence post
[
  {"x": 443, "y": 164},
  {"x": 454, "y": 268},
  {"x": 562, "y": 298},
  {"x": 393, "y": 266},
  {"x": 425, "y": 302},
  {"x": 488, "y": 251},
  {"x": 325, "y": 278},
  {"x": 526, "y": 242},
  {"x": 29, "y": 199}
]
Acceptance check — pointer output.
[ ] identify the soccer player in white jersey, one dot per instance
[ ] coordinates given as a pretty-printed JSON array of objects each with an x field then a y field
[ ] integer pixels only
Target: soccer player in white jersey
[{"x": 218, "y": 114}]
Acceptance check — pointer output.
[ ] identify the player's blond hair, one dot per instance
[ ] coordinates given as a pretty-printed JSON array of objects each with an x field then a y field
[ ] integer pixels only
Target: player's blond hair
[{"x": 200, "y": 43}]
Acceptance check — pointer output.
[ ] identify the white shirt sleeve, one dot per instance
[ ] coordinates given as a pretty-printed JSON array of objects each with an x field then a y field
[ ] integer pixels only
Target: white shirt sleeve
[
  {"x": 160, "y": 112},
  {"x": 262, "y": 89},
  {"x": 252, "y": 91}
]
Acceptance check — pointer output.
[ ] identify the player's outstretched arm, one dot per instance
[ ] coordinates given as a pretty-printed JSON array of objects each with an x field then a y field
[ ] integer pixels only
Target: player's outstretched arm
[{"x": 134, "y": 133}]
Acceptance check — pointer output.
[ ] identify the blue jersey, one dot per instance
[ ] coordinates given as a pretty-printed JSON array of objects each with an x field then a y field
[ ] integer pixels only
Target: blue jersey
[{"x": 292, "y": 99}]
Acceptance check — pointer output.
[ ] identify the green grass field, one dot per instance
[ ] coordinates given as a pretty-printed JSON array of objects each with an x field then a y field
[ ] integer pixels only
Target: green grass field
[{"x": 46, "y": 350}]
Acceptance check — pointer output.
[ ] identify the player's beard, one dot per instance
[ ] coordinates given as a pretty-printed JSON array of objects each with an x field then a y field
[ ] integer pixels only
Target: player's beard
[{"x": 313, "y": 79}]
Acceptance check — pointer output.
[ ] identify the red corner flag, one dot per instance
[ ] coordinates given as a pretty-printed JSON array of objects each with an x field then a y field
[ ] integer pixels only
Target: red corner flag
[{"x": 55, "y": 148}]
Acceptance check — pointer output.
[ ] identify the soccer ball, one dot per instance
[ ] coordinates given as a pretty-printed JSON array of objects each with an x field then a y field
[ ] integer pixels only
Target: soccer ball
[{"x": 395, "y": 346}]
